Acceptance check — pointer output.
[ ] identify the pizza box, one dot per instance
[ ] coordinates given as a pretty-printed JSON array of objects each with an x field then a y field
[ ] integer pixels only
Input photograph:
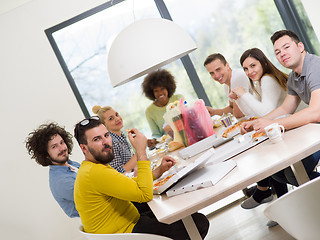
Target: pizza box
[
  {"x": 170, "y": 180},
  {"x": 238, "y": 145},
  {"x": 207, "y": 176},
  {"x": 212, "y": 156},
  {"x": 204, "y": 144}
]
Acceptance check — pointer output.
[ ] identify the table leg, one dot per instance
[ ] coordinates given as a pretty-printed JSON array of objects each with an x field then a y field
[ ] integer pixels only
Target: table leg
[
  {"x": 300, "y": 173},
  {"x": 191, "y": 228}
]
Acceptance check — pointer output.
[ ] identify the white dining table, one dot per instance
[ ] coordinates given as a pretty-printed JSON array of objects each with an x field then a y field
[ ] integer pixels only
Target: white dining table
[{"x": 253, "y": 165}]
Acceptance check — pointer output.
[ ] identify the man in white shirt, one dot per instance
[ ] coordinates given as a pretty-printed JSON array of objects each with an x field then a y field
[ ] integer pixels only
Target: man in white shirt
[{"x": 220, "y": 71}]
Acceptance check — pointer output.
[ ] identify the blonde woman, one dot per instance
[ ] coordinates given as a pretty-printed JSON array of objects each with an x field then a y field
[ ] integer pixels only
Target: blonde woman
[{"x": 124, "y": 159}]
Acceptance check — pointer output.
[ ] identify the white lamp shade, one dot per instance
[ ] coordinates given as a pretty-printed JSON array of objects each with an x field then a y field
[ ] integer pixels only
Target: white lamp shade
[{"x": 145, "y": 46}]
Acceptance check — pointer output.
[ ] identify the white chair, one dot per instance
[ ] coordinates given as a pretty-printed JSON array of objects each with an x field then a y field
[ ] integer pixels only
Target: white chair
[
  {"x": 122, "y": 236},
  {"x": 298, "y": 212}
]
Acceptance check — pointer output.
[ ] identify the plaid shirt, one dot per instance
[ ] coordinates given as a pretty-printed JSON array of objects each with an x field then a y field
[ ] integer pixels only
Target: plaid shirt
[{"x": 122, "y": 151}]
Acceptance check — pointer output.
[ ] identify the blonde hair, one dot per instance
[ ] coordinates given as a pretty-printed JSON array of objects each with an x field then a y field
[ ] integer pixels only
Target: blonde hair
[{"x": 100, "y": 111}]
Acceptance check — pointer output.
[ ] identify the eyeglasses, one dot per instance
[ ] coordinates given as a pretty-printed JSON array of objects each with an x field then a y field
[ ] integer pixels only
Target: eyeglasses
[
  {"x": 83, "y": 123},
  {"x": 86, "y": 121}
]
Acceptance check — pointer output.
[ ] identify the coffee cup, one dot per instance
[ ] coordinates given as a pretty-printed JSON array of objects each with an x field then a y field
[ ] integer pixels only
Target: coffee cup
[{"x": 274, "y": 131}]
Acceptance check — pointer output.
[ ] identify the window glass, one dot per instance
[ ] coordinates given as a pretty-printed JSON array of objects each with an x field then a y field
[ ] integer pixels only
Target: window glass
[
  {"x": 84, "y": 46},
  {"x": 225, "y": 26},
  {"x": 228, "y": 27},
  {"x": 307, "y": 26}
]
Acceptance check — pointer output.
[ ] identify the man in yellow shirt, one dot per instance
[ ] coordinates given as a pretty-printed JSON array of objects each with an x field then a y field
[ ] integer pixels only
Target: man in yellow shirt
[{"x": 103, "y": 196}]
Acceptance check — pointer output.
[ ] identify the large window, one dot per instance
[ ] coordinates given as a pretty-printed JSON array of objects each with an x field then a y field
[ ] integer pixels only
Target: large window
[{"x": 226, "y": 26}]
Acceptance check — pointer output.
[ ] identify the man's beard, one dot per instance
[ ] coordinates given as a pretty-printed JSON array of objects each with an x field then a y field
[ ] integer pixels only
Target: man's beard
[
  {"x": 63, "y": 161},
  {"x": 101, "y": 158}
]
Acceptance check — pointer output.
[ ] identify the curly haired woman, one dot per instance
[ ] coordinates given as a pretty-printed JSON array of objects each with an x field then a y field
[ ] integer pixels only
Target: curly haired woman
[{"x": 159, "y": 86}]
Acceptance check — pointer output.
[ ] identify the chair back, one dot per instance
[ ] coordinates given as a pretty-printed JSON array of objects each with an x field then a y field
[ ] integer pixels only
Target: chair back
[
  {"x": 298, "y": 212},
  {"x": 122, "y": 236}
]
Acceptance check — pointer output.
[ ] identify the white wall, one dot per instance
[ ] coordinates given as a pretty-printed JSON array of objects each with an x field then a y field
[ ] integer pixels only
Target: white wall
[
  {"x": 33, "y": 90},
  {"x": 312, "y": 8}
]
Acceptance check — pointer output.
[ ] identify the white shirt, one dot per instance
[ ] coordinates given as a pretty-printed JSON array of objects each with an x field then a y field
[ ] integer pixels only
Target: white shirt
[
  {"x": 238, "y": 78},
  {"x": 271, "y": 96}
]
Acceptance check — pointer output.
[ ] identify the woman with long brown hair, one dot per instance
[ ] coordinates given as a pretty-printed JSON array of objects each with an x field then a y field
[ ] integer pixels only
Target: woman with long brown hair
[
  {"x": 268, "y": 85},
  {"x": 268, "y": 90}
]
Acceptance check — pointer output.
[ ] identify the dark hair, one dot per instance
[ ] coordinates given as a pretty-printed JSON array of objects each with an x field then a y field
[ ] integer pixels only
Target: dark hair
[
  {"x": 282, "y": 33},
  {"x": 158, "y": 78},
  {"x": 214, "y": 57},
  {"x": 37, "y": 142},
  {"x": 267, "y": 66},
  {"x": 81, "y": 128}
]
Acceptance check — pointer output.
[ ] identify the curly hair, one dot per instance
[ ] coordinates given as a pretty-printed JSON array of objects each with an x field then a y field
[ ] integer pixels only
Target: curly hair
[
  {"x": 37, "y": 142},
  {"x": 158, "y": 78}
]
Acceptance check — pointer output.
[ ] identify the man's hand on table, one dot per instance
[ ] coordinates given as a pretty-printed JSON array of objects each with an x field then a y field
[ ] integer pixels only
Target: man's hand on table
[
  {"x": 258, "y": 125},
  {"x": 166, "y": 163}
]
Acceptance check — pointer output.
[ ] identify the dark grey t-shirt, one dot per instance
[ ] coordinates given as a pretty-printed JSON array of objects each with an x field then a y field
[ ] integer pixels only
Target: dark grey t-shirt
[{"x": 309, "y": 80}]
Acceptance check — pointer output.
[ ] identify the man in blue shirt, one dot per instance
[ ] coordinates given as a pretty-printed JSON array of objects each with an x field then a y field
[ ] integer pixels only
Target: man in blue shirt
[{"x": 50, "y": 145}]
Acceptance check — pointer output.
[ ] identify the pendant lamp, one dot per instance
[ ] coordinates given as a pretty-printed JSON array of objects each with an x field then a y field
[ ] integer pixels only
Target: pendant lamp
[{"x": 144, "y": 46}]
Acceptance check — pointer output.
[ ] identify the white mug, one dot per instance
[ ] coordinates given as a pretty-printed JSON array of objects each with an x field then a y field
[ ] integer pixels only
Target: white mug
[{"x": 274, "y": 131}]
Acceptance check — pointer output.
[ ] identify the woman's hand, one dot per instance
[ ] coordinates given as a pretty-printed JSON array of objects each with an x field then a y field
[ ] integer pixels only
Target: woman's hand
[
  {"x": 233, "y": 96},
  {"x": 237, "y": 93}
]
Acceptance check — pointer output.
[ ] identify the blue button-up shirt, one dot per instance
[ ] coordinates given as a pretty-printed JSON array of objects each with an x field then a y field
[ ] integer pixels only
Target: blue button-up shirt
[{"x": 61, "y": 181}]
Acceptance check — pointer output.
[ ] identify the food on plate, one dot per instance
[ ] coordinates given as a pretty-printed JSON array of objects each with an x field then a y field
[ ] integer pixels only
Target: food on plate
[
  {"x": 174, "y": 146},
  {"x": 256, "y": 135},
  {"x": 157, "y": 154},
  {"x": 152, "y": 143},
  {"x": 164, "y": 138},
  {"x": 216, "y": 124},
  {"x": 160, "y": 183},
  {"x": 236, "y": 126},
  {"x": 231, "y": 129}
]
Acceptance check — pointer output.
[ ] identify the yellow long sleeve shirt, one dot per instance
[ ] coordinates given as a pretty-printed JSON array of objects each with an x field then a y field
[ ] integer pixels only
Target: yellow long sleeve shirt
[{"x": 103, "y": 197}]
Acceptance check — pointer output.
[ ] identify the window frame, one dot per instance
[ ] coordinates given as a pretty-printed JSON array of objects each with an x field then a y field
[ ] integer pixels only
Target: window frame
[
  {"x": 293, "y": 22},
  {"x": 286, "y": 9}
]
